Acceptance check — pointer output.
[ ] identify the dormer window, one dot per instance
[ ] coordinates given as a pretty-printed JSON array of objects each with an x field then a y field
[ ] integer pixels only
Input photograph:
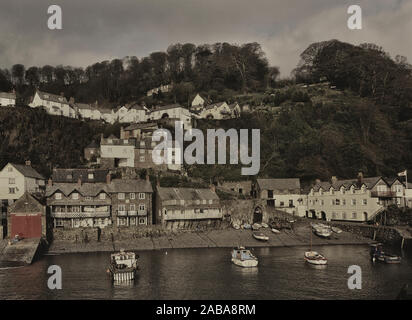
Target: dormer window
[
  {"x": 102, "y": 196},
  {"x": 75, "y": 196},
  {"x": 69, "y": 177},
  {"x": 58, "y": 196},
  {"x": 342, "y": 190},
  {"x": 90, "y": 176}
]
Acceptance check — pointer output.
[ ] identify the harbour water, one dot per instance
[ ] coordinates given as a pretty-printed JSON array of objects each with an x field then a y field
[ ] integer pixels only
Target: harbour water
[{"x": 209, "y": 274}]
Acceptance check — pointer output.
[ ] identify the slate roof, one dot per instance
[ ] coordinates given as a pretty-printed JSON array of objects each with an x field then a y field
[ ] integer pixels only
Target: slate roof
[
  {"x": 186, "y": 194},
  {"x": 8, "y": 95},
  {"x": 288, "y": 185},
  {"x": 211, "y": 106},
  {"x": 92, "y": 145},
  {"x": 51, "y": 97},
  {"x": 26, "y": 203},
  {"x": 73, "y": 175},
  {"x": 27, "y": 171},
  {"x": 370, "y": 182},
  {"x": 93, "y": 189},
  {"x": 169, "y": 106},
  {"x": 145, "y": 125}
]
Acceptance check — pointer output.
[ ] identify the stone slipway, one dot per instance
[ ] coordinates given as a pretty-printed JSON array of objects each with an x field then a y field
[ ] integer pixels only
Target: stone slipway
[{"x": 226, "y": 238}]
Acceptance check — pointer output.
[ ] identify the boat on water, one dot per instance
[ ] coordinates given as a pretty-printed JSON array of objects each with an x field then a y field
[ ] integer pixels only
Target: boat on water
[
  {"x": 244, "y": 258},
  {"x": 275, "y": 230},
  {"x": 336, "y": 230},
  {"x": 377, "y": 254},
  {"x": 123, "y": 266},
  {"x": 314, "y": 257},
  {"x": 260, "y": 236}
]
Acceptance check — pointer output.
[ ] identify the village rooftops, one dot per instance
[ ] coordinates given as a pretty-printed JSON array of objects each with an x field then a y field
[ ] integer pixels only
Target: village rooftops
[
  {"x": 26, "y": 203},
  {"x": 336, "y": 184},
  {"x": 186, "y": 194},
  {"x": 92, "y": 145},
  {"x": 85, "y": 175},
  {"x": 93, "y": 189},
  {"x": 142, "y": 126},
  {"x": 27, "y": 171},
  {"x": 51, "y": 97},
  {"x": 169, "y": 106},
  {"x": 8, "y": 95},
  {"x": 279, "y": 186}
]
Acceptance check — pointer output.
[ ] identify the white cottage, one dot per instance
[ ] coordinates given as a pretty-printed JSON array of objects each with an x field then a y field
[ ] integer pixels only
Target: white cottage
[
  {"x": 53, "y": 104},
  {"x": 7, "y": 99}
]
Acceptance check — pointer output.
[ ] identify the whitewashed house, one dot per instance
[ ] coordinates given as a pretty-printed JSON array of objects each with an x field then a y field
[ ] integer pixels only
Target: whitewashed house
[
  {"x": 235, "y": 110},
  {"x": 7, "y": 99},
  {"x": 198, "y": 100},
  {"x": 132, "y": 114},
  {"x": 108, "y": 115},
  {"x": 16, "y": 179},
  {"x": 173, "y": 112},
  {"x": 53, "y": 104},
  {"x": 217, "y": 111},
  {"x": 115, "y": 152}
]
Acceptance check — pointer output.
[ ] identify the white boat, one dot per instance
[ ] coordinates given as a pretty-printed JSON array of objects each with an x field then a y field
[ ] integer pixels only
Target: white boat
[
  {"x": 323, "y": 232},
  {"x": 123, "y": 266},
  {"x": 244, "y": 258},
  {"x": 316, "y": 258},
  {"x": 260, "y": 236},
  {"x": 336, "y": 230},
  {"x": 264, "y": 225},
  {"x": 275, "y": 230},
  {"x": 236, "y": 226}
]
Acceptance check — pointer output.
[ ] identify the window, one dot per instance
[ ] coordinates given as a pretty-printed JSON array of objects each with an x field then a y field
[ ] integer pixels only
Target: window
[
  {"x": 58, "y": 196},
  {"x": 337, "y": 201},
  {"x": 344, "y": 215},
  {"x": 102, "y": 196},
  {"x": 69, "y": 177},
  {"x": 365, "y": 202},
  {"x": 132, "y": 195},
  {"x": 142, "y": 207},
  {"x": 141, "y": 195},
  {"x": 270, "y": 194},
  {"x": 322, "y": 202},
  {"x": 132, "y": 221},
  {"x": 282, "y": 203},
  {"x": 354, "y": 202},
  {"x": 290, "y": 203},
  {"x": 90, "y": 176},
  {"x": 10, "y": 169},
  {"x": 12, "y": 190},
  {"x": 142, "y": 220},
  {"x": 354, "y": 215},
  {"x": 59, "y": 222},
  {"x": 121, "y": 207},
  {"x": 142, "y": 159},
  {"x": 141, "y": 151},
  {"x": 12, "y": 180},
  {"x": 120, "y": 196},
  {"x": 343, "y": 202},
  {"x": 75, "y": 196}
]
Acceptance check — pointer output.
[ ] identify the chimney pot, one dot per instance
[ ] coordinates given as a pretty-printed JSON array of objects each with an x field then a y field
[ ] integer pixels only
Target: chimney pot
[
  {"x": 212, "y": 187},
  {"x": 50, "y": 182},
  {"x": 334, "y": 179},
  {"x": 317, "y": 181},
  {"x": 28, "y": 163},
  {"x": 79, "y": 181},
  {"x": 108, "y": 178}
]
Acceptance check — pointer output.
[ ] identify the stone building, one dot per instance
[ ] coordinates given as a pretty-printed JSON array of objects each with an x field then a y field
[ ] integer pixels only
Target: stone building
[
  {"x": 7, "y": 99},
  {"x": 283, "y": 194},
  {"x": 358, "y": 199},
  {"x": 84, "y": 174},
  {"x": 185, "y": 207},
  {"x": 241, "y": 187},
  {"x": 115, "y": 152},
  {"x": 119, "y": 202}
]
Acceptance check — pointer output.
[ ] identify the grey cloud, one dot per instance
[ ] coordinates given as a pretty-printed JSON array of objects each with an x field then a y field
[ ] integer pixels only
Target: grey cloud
[{"x": 100, "y": 30}]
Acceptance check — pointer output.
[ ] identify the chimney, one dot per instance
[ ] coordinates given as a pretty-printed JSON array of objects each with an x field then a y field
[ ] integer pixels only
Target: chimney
[
  {"x": 147, "y": 177},
  {"x": 62, "y": 94},
  {"x": 157, "y": 183},
  {"x": 334, "y": 179},
  {"x": 50, "y": 182},
  {"x": 101, "y": 137},
  {"x": 28, "y": 163},
  {"x": 71, "y": 100},
  {"x": 108, "y": 178},
  {"x": 79, "y": 181},
  {"x": 317, "y": 181}
]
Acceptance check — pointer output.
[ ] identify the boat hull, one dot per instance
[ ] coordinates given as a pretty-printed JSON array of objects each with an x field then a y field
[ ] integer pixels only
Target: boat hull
[
  {"x": 260, "y": 238},
  {"x": 315, "y": 258},
  {"x": 245, "y": 263}
]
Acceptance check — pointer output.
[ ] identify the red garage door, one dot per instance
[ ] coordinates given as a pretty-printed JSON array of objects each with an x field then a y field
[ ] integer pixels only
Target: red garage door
[{"x": 26, "y": 226}]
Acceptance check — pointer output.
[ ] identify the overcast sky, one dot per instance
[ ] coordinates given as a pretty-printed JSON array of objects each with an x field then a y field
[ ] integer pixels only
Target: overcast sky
[{"x": 97, "y": 30}]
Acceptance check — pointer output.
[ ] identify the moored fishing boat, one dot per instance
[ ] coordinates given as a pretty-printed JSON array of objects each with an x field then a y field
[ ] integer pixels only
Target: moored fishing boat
[
  {"x": 260, "y": 236},
  {"x": 256, "y": 226},
  {"x": 244, "y": 258},
  {"x": 275, "y": 230},
  {"x": 377, "y": 254},
  {"x": 123, "y": 266},
  {"x": 336, "y": 230}
]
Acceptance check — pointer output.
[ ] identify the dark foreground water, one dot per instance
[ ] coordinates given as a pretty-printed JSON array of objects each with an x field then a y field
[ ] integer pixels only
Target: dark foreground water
[{"x": 209, "y": 274}]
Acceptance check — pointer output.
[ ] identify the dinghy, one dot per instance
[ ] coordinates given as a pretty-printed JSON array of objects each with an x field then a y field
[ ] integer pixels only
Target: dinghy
[
  {"x": 244, "y": 258},
  {"x": 256, "y": 226},
  {"x": 260, "y": 236},
  {"x": 336, "y": 230},
  {"x": 275, "y": 230},
  {"x": 316, "y": 258}
]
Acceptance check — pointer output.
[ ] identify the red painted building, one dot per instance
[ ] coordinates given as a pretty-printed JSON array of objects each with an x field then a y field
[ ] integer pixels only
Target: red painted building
[{"x": 26, "y": 218}]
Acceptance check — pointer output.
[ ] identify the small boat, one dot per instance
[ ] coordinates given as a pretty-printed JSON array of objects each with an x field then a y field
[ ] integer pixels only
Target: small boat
[
  {"x": 247, "y": 226},
  {"x": 323, "y": 232},
  {"x": 316, "y": 258},
  {"x": 123, "y": 266},
  {"x": 392, "y": 259},
  {"x": 275, "y": 230},
  {"x": 244, "y": 258},
  {"x": 235, "y": 226},
  {"x": 260, "y": 236},
  {"x": 336, "y": 230},
  {"x": 264, "y": 225},
  {"x": 256, "y": 226}
]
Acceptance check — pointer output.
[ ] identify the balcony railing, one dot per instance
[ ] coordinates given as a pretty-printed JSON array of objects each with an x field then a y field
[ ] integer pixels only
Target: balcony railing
[
  {"x": 88, "y": 214},
  {"x": 142, "y": 213},
  {"x": 121, "y": 213},
  {"x": 132, "y": 213},
  {"x": 383, "y": 194}
]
